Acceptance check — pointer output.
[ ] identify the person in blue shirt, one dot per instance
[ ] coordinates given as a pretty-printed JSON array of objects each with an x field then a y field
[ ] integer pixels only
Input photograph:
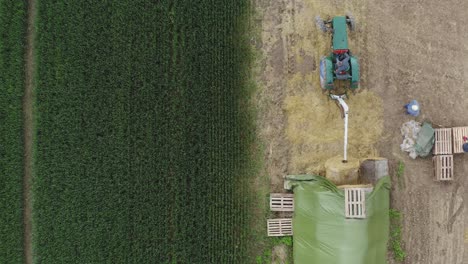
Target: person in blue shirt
[
  {"x": 412, "y": 108},
  {"x": 465, "y": 144}
]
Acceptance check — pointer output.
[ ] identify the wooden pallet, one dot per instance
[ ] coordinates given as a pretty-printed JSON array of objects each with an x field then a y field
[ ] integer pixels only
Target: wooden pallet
[
  {"x": 443, "y": 141},
  {"x": 280, "y": 227},
  {"x": 443, "y": 167},
  {"x": 458, "y": 133},
  {"x": 282, "y": 202},
  {"x": 355, "y": 202}
]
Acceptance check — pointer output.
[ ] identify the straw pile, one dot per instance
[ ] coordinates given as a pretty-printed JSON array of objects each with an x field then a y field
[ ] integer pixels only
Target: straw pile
[{"x": 315, "y": 127}]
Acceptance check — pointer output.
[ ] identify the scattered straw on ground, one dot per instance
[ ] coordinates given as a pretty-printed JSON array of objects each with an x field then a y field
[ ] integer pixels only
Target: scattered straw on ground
[{"x": 316, "y": 128}]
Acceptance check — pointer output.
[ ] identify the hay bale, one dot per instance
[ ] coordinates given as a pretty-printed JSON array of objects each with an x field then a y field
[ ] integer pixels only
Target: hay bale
[
  {"x": 342, "y": 173},
  {"x": 372, "y": 169}
]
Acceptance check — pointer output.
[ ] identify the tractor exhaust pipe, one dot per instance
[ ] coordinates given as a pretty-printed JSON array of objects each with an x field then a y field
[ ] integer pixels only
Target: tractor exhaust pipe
[{"x": 344, "y": 107}]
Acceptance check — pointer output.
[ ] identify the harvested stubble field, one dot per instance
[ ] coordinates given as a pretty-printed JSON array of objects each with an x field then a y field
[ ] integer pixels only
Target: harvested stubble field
[
  {"x": 12, "y": 30},
  {"x": 144, "y": 139}
]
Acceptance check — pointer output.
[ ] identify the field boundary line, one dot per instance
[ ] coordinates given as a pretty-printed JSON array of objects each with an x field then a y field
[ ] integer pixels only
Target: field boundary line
[{"x": 28, "y": 127}]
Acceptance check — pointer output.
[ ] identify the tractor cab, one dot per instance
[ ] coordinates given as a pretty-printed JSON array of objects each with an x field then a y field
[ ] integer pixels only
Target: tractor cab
[{"x": 340, "y": 64}]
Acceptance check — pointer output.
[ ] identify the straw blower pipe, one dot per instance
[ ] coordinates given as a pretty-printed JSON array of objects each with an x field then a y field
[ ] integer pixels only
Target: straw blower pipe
[{"x": 345, "y": 109}]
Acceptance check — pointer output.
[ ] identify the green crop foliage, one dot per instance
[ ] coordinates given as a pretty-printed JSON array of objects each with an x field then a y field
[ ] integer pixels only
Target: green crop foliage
[
  {"x": 401, "y": 169},
  {"x": 395, "y": 235},
  {"x": 266, "y": 256},
  {"x": 12, "y": 30},
  {"x": 143, "y": 132}
]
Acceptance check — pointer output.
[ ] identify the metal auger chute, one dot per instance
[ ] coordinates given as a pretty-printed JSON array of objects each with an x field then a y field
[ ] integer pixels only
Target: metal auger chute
[{"x": 344, "y": 107}]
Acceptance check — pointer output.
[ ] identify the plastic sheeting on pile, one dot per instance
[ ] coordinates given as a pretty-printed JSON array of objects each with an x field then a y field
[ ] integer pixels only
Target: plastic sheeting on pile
[
  {"x": 410, "y": 131},
  {"x": 322, "y": 234},
  {"x": 418, "y": 140},
  {"x": 425, "y": 140}
]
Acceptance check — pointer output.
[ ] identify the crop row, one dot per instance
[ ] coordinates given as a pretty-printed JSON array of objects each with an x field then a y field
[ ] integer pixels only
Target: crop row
[
  {"x": 12, "y": 30},
  {"x": 142, "y": 139}
]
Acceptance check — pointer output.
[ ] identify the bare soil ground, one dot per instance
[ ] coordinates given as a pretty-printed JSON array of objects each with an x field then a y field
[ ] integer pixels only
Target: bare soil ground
[
  {"x": 28, "y": 133},
  {"x": 408, "y": 50}
]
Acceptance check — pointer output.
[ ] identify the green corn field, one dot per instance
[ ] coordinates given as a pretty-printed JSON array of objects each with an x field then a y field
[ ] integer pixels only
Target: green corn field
[
  {"x": 12, "y": 30},
  {"x": 142, "y": 151}
]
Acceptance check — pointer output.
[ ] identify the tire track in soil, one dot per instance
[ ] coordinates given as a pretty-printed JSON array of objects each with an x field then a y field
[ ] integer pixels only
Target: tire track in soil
[{"x": 28, "y": 131}]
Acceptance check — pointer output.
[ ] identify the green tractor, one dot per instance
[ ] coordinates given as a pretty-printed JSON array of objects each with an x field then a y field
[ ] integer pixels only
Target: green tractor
[{"x": 340, "y": 66}]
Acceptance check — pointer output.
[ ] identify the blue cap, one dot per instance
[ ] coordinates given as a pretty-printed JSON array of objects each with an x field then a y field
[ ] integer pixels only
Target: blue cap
[{"x": 413, "y": 108}]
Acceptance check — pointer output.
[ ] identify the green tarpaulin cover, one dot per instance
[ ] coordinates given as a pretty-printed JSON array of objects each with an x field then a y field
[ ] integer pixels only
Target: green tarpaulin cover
[
  {"x": 425, "y": 140},
  {"x": 322, "y": 234}
]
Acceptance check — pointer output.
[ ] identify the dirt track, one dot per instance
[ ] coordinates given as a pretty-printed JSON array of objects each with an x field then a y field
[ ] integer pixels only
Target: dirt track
[
  {"x": 28, "y": 133},
  {"x": 407, "y": 50}
]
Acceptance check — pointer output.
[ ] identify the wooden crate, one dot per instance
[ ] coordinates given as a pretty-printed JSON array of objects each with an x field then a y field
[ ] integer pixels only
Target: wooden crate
[
  {"x": 443, "y": 167},
  {"x": 282, "y": 202},
  {"x": 458, "y": 133},
  {"x": 355, "y": 202},
  {"x": 280, "y": 227},
  {"x": 443, "y": 141}
]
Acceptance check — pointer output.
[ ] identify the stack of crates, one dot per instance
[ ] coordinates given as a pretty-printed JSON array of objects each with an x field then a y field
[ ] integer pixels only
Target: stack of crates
[
  {"x": 443, "y": 154},
  {"x": 281, "y": 202}
]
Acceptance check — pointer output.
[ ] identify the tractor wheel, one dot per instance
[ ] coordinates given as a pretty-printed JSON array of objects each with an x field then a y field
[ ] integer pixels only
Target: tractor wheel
[
  {"x": 323, "y": 73},
  {"x": 351, "y": 22},
  {"x": 320, "y": 24}
]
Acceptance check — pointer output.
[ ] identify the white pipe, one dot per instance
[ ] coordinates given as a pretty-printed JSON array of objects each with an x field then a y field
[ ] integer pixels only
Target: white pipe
[
  {"x": 345, "y": 132},
  {"x": 345, "y": 112}
]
